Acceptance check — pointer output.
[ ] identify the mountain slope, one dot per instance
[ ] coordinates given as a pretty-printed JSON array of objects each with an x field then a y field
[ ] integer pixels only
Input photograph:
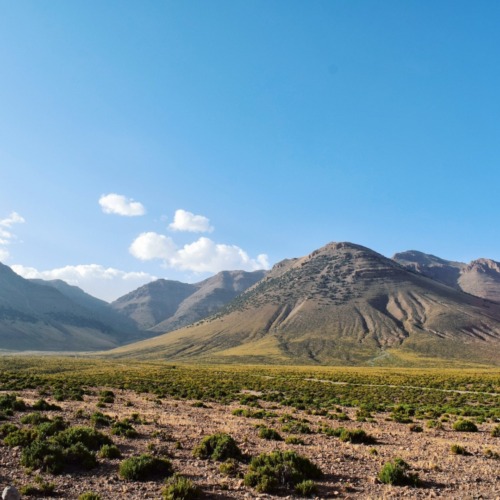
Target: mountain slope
[
  {"x": 343, "y": 303},
  {"x": 165, "y": 305},
  {"x": 480, "y": 277},
  {"x": 35, "y": 316},
  {"x": 100, "y": 309}
]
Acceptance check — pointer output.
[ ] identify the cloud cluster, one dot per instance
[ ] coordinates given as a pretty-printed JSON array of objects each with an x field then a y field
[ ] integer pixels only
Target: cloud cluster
[
  {"x": 6, "y": 235},
  {"x": 203, "y": 255},
  {"x": 107, "y": 283},
  {"x": 118, "y": 204},
  {"x": 187, "y": 221}
]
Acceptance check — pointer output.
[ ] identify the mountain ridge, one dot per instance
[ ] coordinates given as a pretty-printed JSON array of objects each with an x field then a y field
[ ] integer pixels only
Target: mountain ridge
[{"x": 342, "y": 303}]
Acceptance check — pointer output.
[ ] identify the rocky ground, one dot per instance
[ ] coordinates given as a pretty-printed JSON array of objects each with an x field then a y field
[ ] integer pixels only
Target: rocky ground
[{"x": 173, "y": 428}]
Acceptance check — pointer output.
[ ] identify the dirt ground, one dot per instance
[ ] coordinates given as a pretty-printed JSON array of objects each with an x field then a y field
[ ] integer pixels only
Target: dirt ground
[{"x": 173, "y": 428}]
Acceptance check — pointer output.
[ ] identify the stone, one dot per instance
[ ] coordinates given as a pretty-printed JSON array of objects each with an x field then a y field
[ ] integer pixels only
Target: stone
[{"x": 11, "y": 493}]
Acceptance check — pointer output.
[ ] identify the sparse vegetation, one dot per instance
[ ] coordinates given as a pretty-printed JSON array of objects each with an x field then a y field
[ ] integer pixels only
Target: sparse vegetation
[
  {"x": 396, "y": 473},
  {"x": 218, "y": 447},
  {"x": 145, "y": 467},
  {"x": 280, "y": 469},
  {"x": 180, "y": 488}
]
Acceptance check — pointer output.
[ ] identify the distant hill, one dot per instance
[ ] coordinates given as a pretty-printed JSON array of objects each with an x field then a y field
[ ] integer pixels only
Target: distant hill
[
  {"x": 56, "y": 317},
  {"x": 164, "y": 305},
  {"x": 342, "y": 304},
  {"x": 480, "y": 277}
]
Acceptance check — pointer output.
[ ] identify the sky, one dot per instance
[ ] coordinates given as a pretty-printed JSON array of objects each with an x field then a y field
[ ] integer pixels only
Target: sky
[{"x": 174, "y": 139}]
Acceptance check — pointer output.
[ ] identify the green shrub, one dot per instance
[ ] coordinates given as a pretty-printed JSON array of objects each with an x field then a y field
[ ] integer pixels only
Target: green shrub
[
  {"x": 98, "y": 419},
  {"x": 464, "y": 426},
  {"x": 145, "y": 467},
  {"x": 10, "y": 402},
  {"x": 44, "y": 455},
  {"x": 79, "y": 455},
  {"x": 229, "y": 467},
  {"x": 180, "y": 488},
  {"x": 297, "y": 428},
  {"x": 21, "y": 437},
  {"x": 42, "y": 405},
  {"x": 124, "y": 428},
  {"x": 89, "y": 495},
  {"x": 416, "y": 428},
  {"x": 396, "y": 473},
  {"x": 456, "y": 449},
  {"x": 217, "y": 447},
  {"x": 306, "y": 488},
  {"x": 40, "y": 489},
  {"x": 109, "y": 451},
  {"x": 293, "y": 440},
  {"x": 92, "y": 439},
  {"x": 495, "y": 432},
  {"x": 269, "y": 434},
  {"x": 356, "y": 436},
  {"x": 34, "y": 418},
  {"x": 8, "y": 428},
  {"x": 280, "y": 469},
  {"x": 51, "y": 428}
]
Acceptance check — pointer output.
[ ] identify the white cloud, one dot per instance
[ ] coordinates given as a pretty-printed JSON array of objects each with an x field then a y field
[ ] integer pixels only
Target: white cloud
[
  {"x": 187, "y": 221},
  {"x": 13, "y": 218},
  {"x": 118, "y": 204},
  {"x": 201, "y": 256},
  {"x": 106, "y": 283},
  {"x": 7, "y": 236},
  {"x": 149, "y": 246}
]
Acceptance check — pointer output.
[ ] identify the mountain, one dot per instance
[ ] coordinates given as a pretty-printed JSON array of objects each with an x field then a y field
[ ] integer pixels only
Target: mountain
[
  {"x": 37, "y": 316},
  {"x": 100, "y": 309},
  {"x": 342, "y": 304},
  {"x": 480, "y": 277},
  {"x": 165, "y": 305}
]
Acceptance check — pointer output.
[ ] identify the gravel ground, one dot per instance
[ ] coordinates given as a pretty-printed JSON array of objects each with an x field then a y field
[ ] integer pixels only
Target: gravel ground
[{"x": 173, "y": 428}]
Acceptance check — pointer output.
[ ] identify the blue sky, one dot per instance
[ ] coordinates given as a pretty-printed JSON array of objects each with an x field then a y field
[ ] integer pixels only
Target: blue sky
[{"x": 274, "y": 127}]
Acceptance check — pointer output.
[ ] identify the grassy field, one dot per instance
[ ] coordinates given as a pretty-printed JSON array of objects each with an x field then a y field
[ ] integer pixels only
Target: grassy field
[{"x": 224, "y": 429}]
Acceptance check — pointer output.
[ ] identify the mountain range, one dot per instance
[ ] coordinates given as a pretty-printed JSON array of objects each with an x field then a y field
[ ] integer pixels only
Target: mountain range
[{"x": 341, "y": 304}]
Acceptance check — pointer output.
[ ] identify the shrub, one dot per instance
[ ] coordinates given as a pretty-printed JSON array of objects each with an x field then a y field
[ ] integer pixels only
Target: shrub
[
  {"x": 180, "y": 488},
  {"x": 51, "y": 428},
  {"x": 269, "y": 434},
  {"x": 44, "y": 455},
  {"x": 297, "y": 428},
  {"x": 416, "y": 428},
  {"x": 229, "y": 467},
  {"x": 495, "y": 432},
  {"x": 8, "y": 428},
  {"x": 464, "y": 426},
  {"x": 456, "y": 449},
  {"x": 269, "y": 472},
  {"x": 293, "y": 440},
  {"x": 10, "y": 402},
  {"x": 89, "y": 495},
  {"x": 145, "y": 467},
  {"x": 21, "y": 437},
  {"x": 40, "y": 489},
  {"x": 110, "y": 451},
  {"x": 42, "y": 405},
  {"x": 88, "y": 436},
  {"x": 98, "y": 419},
  {"x": 124, "y": 428},
  {"x": 396, "y": 473},
  {"x": 77, "y": 454},
  {"x": 306, "y": 488},
  {"x": 217, "y": 447},
  {"x": 356, "y": 436},
  {"x": 34, "y": 418}
]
